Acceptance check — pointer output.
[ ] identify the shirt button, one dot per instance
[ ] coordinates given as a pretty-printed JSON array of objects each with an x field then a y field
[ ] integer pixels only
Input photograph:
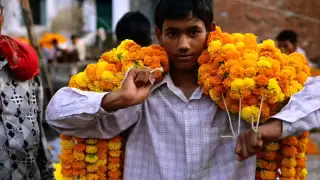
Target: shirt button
[
  {"x": 191, "y": 141},
  {"x": 193, "y": 176},
  {"x": 189, "y": 107}
]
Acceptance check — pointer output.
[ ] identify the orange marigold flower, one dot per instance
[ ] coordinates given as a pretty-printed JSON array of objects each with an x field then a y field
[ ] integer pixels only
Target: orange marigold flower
[
  {"x": 289, "y": 151},
  {"x": 237, "y": 71},
  {"x": 290, "y": 141},
  {"x": 287, "y": 178},
  {"x": 79, "y": 147},
  {"x": 265, "y": 111},
  {"x": 266, "y": 71},
  {"x": 103, "y": 169},
  {"x": 270, "y": 155},
  {"x": 115, "y": 160},
  {"x": 270, "y": 165},
  {"x": 79, "y": 165},
  {"x": 261, "y": 80},
  {"x": 250, "y": 72},
  {"x": 66, "y": 164},
  {"x": 289, "y": 162},
  {"x": 82, "y": 172},
  {"x": 216, "y": 93},
  {"x": 210, "y": 83},
  {"x": 114, "y": 174},
  {"x": 67, "y": 151},
  {"x": 113, "y": 166},
  {"x": 288, "y": 172},
  {"x": 204, "y": 58},
  {"x": 274, "y": 146},
  {"x": 78, "y": 156},
  {"x": 92, "y": 176},
  {"x": 66, "y": 172},
  {"x": 268, "y": 174},
  {"x": 102, "y": 155},
  {"x": 302, "y": 77},
  {"x": 114, "y": 153},
  {"x": 301, "y": 162}
]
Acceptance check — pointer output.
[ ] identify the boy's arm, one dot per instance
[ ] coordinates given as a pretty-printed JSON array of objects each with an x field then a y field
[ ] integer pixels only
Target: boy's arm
[
  {"x": 99, "y": 115},
  {"x": 302, "y": 113}
]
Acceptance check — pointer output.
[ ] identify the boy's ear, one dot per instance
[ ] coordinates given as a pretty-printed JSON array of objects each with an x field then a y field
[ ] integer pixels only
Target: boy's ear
[
  {"x": 158, "y": 34},
  {"x": 213, "y": 26}
]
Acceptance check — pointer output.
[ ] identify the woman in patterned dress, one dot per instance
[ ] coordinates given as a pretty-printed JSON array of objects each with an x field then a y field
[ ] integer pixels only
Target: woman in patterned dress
[{"x": 23, "y": 149}]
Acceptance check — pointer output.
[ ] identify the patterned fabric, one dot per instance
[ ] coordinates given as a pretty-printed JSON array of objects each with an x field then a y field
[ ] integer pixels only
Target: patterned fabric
[
  {"x": 172, "y": 137},
  {"x": 23, "y": 150}
]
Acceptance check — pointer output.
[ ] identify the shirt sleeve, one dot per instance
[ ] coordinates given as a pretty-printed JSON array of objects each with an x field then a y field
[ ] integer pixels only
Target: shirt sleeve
[
  {"x": 302, "y": 111},
  {"x": 79, "y": 113}
]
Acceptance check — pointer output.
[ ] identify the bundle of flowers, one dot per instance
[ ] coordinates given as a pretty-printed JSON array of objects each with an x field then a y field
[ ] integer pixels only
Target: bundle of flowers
[
  {"x": 255, "y": 80},
  {"x": 98, "y": 159},
  {"x": 47, "y": 38}
]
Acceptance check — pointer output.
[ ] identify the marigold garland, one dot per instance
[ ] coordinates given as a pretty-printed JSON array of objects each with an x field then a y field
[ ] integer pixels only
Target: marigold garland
[
  {"x": 100, "y": 158},
  {"x": 255, "y": 80}
]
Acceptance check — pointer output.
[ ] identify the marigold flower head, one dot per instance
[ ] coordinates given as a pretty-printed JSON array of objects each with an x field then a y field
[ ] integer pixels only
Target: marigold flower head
[
  {"x": 263, "y": 62},
  {"x": 250, "y": 113},
  {"x": 237, "y": 71},
  {"x": 91, "y": 141},
  {"x": 114, "y": 174},
  {"x": 288, "y": 172},
  {"x": 271, "y": 155},
  {"x": 91, "y": 158},
  {"x": 301, "y": 162},
  {"x": 274, "y": 146},
  {"x": 290, "y": 141},
  {"x": 289, "y": 162},
  {"x": 304, "y": 135},
  {"x": 270, "y": 165},
  {"x": 214, "y": 47},
  {"x": 91, "y": 149},
  {"x": 114, "y": 153},
  {"x": 204, "y": 58},
  {"x": 265, "y": 174},
  {"x": 289, "y": 151}
]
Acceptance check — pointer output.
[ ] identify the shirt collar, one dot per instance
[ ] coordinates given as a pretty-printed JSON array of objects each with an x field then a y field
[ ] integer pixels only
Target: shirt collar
[
  {"x": 3, "y": 63},
  {"x": 197, "y": 94}
]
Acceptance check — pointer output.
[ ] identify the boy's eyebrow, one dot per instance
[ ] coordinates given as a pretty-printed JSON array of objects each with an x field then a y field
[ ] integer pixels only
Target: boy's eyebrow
[{"x": 178, "y": 29}]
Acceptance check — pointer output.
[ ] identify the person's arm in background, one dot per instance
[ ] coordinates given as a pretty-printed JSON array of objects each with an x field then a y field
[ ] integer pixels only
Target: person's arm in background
[{"x": 99, "y": 115}]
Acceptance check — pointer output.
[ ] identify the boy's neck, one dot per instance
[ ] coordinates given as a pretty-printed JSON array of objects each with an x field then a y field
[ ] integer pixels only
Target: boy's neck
[{"x": 186, "y": 81}]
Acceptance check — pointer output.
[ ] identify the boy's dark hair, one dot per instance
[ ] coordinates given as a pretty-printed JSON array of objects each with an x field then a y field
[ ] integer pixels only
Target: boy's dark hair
[
  {"x": 134, "y": 26},
  {"x": 288, "y": 35},
  {"x": 181, "y": 9}
]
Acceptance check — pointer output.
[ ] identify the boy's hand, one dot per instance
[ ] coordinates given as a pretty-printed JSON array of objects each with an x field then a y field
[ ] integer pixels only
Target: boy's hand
[
  {"x": 136, "y": 86},
  {"x": 250, "y": 142},
  {"x": 134, "y": 90}
]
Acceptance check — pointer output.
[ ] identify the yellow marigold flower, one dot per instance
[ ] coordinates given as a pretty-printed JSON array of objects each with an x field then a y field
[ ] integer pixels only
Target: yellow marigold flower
[
  {"x": 289, "y": 162},
  {"x": 110, "y": 56},
  {"x": 78, "y": 156},
  {"x": 250, "y": 41},
  {"x": 250, "y": 113},
  {"x": 251, "y": 56},
  {"x": 80, "y": 80},
  {"x": 214, "y": 47},
  {"x": 216, "y": 93},
  {"x": 91, "y": 141},
  {"x": 91, "y": 149},
  {"x": 303, "y": 172},
  {"x": 114, "y": 153},
  {"x": 268, "y": 45},
  {"x": 248, "y": 83},
  {"x": 263, "y": 62},
  {"x": 93, "y": 177},
  {"x": 72, "y": 82},
  {"x": 102, "y": 162},
  {"x": 237, "y": 37},
  {"x": 92, "y": 168},
  {"x": 107, "y": 76},
  {"x": 240, "y": 46},
  {"x": 67, "y": 144},
  {"x": 114, "y": 145},
  {"x": 129, "y": 45},
  {"x": 288, "y": 172},
  {"x": 113, "y": 166},
  {"x": 91, "y": 158},
  {"x": 301, "y": 155},
  {"x": 273, "y": 146},
  {"x": 237, "y": 84},
  {"x": 303, "y": 140}
]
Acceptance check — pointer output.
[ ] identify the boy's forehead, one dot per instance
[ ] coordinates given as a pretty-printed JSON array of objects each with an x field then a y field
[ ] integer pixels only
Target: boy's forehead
[{"x": 183, "y": 23}]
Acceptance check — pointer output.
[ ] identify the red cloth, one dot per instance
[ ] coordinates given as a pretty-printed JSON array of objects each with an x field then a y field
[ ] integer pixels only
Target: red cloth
[{"x": 22, "y": 58}]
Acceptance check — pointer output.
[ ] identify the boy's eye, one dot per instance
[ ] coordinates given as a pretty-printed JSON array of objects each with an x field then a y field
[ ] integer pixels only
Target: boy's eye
[
  {"x": 171, "y": 34},
  {"x": 194, "y": 32}
]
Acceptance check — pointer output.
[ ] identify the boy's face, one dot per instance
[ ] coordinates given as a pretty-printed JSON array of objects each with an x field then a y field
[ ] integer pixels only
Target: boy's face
[
  {"x": 184, "y": 40},
  {"x": 287, "y": 47}
]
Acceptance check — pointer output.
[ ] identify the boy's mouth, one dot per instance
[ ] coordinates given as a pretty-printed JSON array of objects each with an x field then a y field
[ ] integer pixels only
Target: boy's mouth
[{"x": 184, "y": 58}]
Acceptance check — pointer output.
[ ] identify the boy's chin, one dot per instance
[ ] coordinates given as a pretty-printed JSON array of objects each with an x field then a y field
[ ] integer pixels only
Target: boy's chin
[{"x": 186, "y": 67}]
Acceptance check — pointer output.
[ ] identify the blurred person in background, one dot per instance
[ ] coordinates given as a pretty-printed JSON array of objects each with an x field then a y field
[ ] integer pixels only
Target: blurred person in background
[
  {"x": 288, "y": 43},
  {"x": 134, "y": 26},
  {"x": 23, "y": 147}
]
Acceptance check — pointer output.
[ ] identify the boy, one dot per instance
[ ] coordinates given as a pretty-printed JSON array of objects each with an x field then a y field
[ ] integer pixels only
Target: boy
[
  {"x": 23, "y": 150},
  {"x": 288, "y": 43},
  {"x": 176, "y": 130}
]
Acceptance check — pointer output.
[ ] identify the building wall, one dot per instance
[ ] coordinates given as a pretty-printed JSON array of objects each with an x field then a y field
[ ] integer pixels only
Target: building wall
[{"x": 266, "y": 18}]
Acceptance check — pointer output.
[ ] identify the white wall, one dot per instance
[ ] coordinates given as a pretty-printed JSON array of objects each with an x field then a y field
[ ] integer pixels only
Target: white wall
[{"x": 119, "y": 8}]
